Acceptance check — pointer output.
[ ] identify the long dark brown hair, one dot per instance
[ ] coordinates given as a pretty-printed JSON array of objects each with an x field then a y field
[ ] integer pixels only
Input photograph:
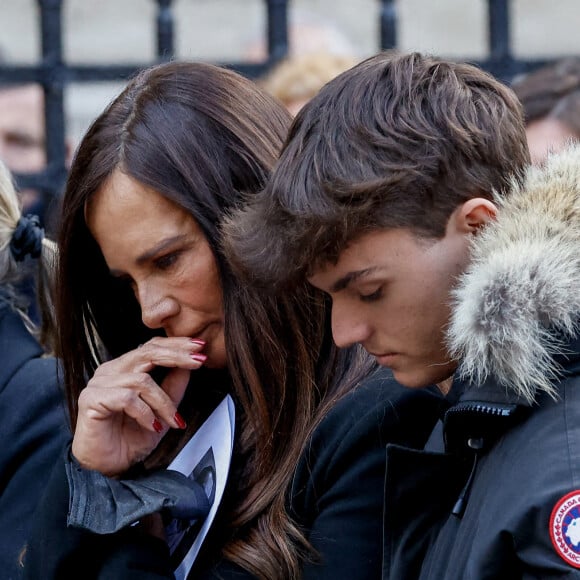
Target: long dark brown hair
[{"x": 206, "y": 138}]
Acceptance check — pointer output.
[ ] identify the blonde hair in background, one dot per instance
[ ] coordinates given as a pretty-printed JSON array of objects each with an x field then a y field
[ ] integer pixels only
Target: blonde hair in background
[
  {"x": 11, "y": 271},
  {"x": 296, "y": 79},
  {"x": 9, "y": 216}
]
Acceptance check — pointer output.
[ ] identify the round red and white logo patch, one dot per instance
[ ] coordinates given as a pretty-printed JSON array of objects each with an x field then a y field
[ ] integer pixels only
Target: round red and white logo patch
[{"x": 565, "y": 528}]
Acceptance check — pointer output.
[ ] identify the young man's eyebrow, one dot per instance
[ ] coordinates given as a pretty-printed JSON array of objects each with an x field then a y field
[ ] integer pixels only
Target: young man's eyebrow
[{"x": 343, "y": 282}]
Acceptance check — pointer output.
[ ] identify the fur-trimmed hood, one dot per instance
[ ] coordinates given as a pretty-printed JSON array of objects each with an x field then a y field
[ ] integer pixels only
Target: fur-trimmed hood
[{"x": 518, "y": 304}]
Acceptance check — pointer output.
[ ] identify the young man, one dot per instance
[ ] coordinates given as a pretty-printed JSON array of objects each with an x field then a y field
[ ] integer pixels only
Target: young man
[{"x": 402, "y": 192}]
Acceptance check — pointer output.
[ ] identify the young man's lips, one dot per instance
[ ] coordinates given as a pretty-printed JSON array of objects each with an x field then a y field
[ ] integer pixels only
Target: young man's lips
[{"x": 386, "y": 359}]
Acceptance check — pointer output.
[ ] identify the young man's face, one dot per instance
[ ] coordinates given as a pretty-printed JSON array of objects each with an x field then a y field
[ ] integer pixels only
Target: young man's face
[{"x": 391, "y": 293}]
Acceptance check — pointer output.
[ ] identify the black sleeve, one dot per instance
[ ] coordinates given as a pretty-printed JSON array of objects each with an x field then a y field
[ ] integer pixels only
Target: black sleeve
[
  {"x": 337, "y": 497},
  {"x": 347, "y": 497},
  {"x": 342, "y": 476},
  {"x": 55, "y": 551},
  {"x": 337, "y": 493}
]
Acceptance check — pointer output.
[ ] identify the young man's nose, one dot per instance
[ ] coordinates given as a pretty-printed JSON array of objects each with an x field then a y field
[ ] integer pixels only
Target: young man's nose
[{"x": 347, "y": 327}]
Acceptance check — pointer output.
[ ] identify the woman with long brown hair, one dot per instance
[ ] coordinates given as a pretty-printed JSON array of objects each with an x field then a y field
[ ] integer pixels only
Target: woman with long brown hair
[{"x": 144, "y": 285}]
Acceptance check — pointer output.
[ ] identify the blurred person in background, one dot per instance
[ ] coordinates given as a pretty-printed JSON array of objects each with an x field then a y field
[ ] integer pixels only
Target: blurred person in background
[
  {"x": 308, "y": 32},
  {"x": 33, "y": 428},
  {"x": 22, "y": 138},
  {"x": 318, "y": 50},
  {"x": 551, "y": 99},
  {"x": 23, "y": 141},
  {"x": 23, "y": 150},
  {"x": 296, "y": 79}
]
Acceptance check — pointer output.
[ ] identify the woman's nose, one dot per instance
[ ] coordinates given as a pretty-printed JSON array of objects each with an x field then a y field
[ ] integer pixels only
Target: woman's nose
[{"x": 156, "y": 307}]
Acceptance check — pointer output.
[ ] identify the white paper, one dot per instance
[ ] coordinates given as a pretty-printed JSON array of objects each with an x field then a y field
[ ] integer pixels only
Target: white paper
[{"x": 206, "y": 458}]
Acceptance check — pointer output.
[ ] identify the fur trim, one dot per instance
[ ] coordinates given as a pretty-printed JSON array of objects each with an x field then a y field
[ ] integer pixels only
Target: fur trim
[{"x": 519, "y": 301}]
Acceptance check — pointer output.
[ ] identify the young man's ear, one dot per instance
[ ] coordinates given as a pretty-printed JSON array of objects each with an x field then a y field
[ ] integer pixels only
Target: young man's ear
[{"x": 473, "y": 214}]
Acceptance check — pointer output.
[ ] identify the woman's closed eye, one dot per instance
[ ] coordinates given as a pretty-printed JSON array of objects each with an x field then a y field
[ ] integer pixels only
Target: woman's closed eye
[{"x": 167, "y": 260}]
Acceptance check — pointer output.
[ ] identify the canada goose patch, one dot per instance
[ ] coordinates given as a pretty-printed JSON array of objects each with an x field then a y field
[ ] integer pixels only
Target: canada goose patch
[{"x": 565, "y": 528}]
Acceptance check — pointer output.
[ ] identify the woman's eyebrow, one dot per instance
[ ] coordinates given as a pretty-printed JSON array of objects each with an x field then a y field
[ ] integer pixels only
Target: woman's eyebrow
[{"x": 164, "y": 244}]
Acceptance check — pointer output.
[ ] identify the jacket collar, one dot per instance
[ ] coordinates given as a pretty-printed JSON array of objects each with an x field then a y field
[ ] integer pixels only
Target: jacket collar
[
  {"x": 487, "y": 410},
  {"x": 516, "y": 309}
]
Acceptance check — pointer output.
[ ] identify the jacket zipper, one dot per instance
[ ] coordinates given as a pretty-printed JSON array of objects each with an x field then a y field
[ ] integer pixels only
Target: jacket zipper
[{"x": 476, "y": 443}]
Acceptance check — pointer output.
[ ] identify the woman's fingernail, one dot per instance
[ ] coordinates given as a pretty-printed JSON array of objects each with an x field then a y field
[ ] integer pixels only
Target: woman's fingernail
[
  {"x": 157, "y": 425},
  {"x": 197, "y": 341},
  {"x": 199, "y": 357},
  {"x": 180, "y": 422}
]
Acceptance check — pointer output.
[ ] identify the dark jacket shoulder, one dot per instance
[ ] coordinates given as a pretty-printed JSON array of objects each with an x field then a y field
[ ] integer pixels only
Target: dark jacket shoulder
[
  {"x": 377, "y": 412},
  {"x": 337, "y": 492},
  {"x": 33, "y": 430}
]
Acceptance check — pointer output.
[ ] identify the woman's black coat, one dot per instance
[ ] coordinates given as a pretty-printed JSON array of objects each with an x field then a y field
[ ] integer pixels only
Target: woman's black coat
[{"x": 337, "y": 497}]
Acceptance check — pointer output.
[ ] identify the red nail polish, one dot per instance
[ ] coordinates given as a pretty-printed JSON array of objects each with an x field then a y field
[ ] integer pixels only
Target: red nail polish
[
  {"x": 199, "y": 357},
  {"x": 180, "y": 422},
  {"x": 157, "y": 425}
]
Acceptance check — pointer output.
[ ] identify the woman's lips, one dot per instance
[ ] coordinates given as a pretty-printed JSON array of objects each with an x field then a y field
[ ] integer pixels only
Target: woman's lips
[{"x": 201, "y": 334}]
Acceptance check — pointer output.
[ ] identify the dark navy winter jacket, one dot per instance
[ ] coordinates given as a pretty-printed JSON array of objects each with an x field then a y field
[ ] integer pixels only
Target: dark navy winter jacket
[
  {"x": 496, "y": 493},
  {"x": 33, "y": 430}
]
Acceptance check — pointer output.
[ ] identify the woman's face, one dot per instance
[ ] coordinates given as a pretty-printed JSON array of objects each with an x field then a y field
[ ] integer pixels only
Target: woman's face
[{"x": 159, "y": 249}]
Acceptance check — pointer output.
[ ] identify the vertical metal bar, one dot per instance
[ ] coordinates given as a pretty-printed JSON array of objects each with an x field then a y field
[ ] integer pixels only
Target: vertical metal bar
[
  {"x": 501, "y": 62},
  {"x": 388, "y": 24},
  {"x": 277, "y": 29},
  {"x": 165, "y": 28},
  {"x": 53, "y": 83},
  {"x": 499, "y": 30}
]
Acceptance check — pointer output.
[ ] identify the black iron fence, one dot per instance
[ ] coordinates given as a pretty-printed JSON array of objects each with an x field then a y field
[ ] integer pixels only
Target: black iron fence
[{"x": 54, "y": 74}]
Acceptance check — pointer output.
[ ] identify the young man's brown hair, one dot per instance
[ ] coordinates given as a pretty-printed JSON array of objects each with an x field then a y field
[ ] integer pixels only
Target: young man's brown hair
[{"x": 398, "y": 141}]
